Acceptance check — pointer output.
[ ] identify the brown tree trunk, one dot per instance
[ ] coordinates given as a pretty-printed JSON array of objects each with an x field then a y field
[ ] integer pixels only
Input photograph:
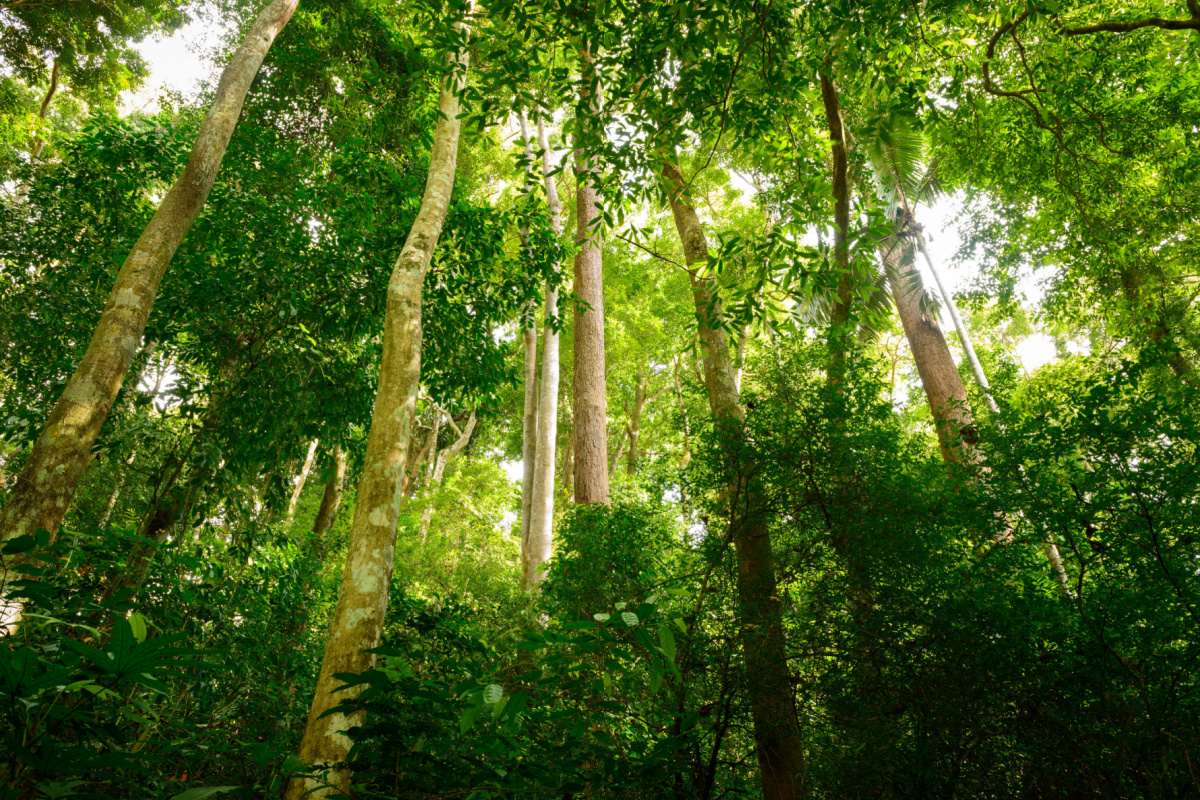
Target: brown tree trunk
[
  {"x": 529, "y": 419},
  {"x": 331, "y": 501},
  {"x": 776, "y": 725},
  {"x": 944, "y": 388},
  {"x": 541, "y": 517},
  {"x": 39, "y": 142},
  {"x": 591, "y": 405},
  {"x": 840, "y": 315},
  {"x": 1133, "y": 282},
  {"x": 45, "y": 488},
  {"x": 358, "y": 618}
]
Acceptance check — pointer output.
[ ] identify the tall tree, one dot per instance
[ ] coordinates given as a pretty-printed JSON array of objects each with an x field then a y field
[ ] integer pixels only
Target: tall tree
[
  {"x": 769, "y": 682},
  {"x": 538, "y": 542},
  {"x": 590, "y": 425},
  {"x": 358, "y": 618},
  {"x": 45, "y": 487}
]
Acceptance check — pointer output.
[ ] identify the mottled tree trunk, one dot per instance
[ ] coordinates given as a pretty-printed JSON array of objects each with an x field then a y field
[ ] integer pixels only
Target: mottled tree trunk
[
  {"x": 568, "y": 469},
  {"x": 541, "y": 516},
  {"x": 769, "y": 681},
  {"x": 358, "y": 618},
  {"x": 1133, "y": 283},
  {"x": 413, "y": 472},
  {"x": 45, "y": 488},
  {"x": 591, "y": 404}
]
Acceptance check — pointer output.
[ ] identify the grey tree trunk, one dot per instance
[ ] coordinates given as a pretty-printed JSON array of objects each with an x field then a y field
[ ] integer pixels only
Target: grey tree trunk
[
  {"x": 541, "y": 517},
  {"x": 45, "y": 487},
  {"x": 301, "y": 479},
  {"x": 591, "y": 404},
  {"x": 776, "y": 725},
  {"x": 439, "y": 471},
  {"x": 358, "y": 618}
]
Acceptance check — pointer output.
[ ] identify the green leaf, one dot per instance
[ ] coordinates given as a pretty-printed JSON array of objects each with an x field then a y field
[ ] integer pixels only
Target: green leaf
[
  {"x": 629, "y": 618},
  {"x": 200, "y": 792},
  {"x": 137, "y": 624},
  {"x": 492, "y": 693},
  {"x": 666, "y": 641}
]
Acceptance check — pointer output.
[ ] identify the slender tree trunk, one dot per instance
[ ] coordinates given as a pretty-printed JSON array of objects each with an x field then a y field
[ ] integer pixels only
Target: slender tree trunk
[
  {"x": 569, "y": 469},
  {"x": 591, "y": 404},
  {"x": 331, "y": 501},
  {"x": 301, "y": 479},
  {"x": 439, "y": 471},
  {"x": 45, "y": 488},
  {"x": 39, "y": 142},
  {"x": 776, "y": 725},
  {"x": 841, "y": 217},
  {"x": 414, "y": 467},
  {"x": 943, "y": 386},
  {"x": 541, "y": 516},
  {"x": 959, "y": 327},
  {"x": 529, "y": 419},
  {"x": 358, "y": 618}
]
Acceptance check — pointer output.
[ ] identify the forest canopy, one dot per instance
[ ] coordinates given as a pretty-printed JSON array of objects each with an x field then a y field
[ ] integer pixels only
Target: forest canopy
[{"x": 518, "y": 399}]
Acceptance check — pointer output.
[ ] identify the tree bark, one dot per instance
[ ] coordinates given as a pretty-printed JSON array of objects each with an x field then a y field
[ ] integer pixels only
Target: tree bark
[
  {"x": 959, "y": 327},
  {"x": 591, "y": 405},
  {"x": 840, "y": 315},
  {"x": 439, "y": 471},
  {"x": 301, "y": 479},
  {"x": 358, "y": 618},
  {"x": 46, "y": 485},
  {"x": 39, "y": 142},
  {"x": 529, "y": 419},
  {"x": 331, "y": 501},
  {"x": 769, "y": 681},
  {"x": 939, "y": 376},
  {"x": 541, "y": 517}
]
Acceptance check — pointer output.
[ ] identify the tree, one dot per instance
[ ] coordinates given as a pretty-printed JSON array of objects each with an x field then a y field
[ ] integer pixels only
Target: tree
[
  {"x": 362, "y": 601},
  {"x": 53, "y": 468}
]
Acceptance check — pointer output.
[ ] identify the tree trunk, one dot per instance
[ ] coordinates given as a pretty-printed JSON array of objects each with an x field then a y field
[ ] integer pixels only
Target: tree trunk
[
  {"x": 301, "y": 479},
  {"x": 331, "y": 501},
  {"x": 529, "y": 419},
  {"x": 39, "y": 142},
  {"x": 45, "y": 488},
  {"x": 464, "y": 436},
  {"x": 959, "y": 327},
  {"x": 943, "y": 387},
  {"x": 591, "y": 405},
  {"x": 414, "y": 467},
  {"x": 568, "y": 476},
  {"x": 776, "y": 726},
  {"x": 840, "y": 315},
  {"x": 358, "y": 618},
  {"x": 1133, "y": 281},
  {"x": 541, "y": 517}
]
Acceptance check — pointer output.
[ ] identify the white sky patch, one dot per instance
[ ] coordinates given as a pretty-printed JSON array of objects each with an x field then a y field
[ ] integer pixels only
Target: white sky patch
[
  {"x": 515, "y": 470},
  {"x": 181, "y": 63},
  {"x": 1036, "y": 351}
]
